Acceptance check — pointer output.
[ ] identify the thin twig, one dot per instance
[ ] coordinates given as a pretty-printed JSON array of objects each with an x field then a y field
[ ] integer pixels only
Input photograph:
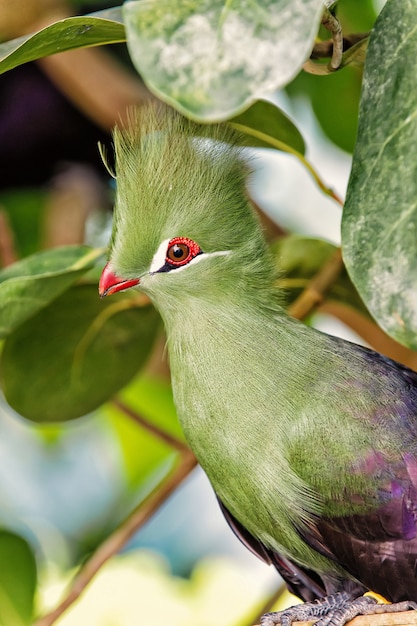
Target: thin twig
[
  {"x": 121, "y": 535},
  {"x": 314, "y": 293},
  {"x": 152, "y": 428},
  {"x": 283, "y": 147},
  {"x": 332, "y": 24},
  {"x": 324, "y": 49}
]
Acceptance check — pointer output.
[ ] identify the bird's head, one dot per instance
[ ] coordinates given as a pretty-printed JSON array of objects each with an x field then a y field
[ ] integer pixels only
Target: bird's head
[{"x": 182, "y": 223}]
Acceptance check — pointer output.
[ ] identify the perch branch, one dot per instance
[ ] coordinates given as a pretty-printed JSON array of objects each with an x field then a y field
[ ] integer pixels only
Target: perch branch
[
  {"x": 121, "y": 535},
  {"x": 408, "y": 618}
]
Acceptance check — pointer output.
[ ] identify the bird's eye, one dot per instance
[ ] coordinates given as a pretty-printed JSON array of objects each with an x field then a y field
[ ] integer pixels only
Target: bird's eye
[
  {"x": 181, "y": 251},
  {"x": 178, "y": 252}
]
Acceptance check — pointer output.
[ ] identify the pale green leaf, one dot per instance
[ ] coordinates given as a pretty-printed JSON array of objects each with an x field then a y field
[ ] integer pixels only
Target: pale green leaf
[
  {"x": 32, "y": 283},
  {"x": 103, "y": 27},
  {"x": 379, "y": 227},
  {"x": 17, "y": 580},
  {"x": 75, "y": 354},
  {"x": 212, "y": 58}
]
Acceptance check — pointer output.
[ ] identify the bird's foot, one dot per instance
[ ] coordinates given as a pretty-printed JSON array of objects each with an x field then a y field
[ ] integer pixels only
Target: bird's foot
[{"x": 334, "y": 610}]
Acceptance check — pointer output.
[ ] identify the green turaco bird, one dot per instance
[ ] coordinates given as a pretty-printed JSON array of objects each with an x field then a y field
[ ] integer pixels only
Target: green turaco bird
[{"x": 310, "y": 442}]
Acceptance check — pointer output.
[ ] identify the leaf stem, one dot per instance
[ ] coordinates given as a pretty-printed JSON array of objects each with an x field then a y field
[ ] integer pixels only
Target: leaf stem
[
  {"x": 332, "y": 24},
  {"x": 283, "y": 147},
  {"x": 93, "y": 255},
  {"x": 121, "y": 535}
]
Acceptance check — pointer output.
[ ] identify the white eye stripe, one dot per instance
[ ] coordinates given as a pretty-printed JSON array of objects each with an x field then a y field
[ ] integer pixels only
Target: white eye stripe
[
  {"x": 159, "y": 257},
  {"x": 200, "y": 257}
]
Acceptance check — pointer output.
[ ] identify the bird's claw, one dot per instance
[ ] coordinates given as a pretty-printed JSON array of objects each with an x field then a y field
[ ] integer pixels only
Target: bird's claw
[{"x": 334, "y": 610}]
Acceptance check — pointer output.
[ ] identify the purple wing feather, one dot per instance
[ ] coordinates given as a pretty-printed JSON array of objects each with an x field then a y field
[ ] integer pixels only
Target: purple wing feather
[
  {"x": 377, "y": 548},
  {"x": 303, "y": 583}
]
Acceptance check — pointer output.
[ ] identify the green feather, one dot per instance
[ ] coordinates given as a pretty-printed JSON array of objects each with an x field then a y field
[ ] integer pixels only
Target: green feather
[{"x": 250, "y": 384}]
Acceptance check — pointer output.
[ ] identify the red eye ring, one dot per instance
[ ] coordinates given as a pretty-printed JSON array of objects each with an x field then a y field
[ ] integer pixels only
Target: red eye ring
[{"x": 181, "y": 251}]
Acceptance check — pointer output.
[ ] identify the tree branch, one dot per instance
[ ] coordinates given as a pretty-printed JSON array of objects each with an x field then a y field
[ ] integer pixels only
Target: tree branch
[
  {"x": 172, "y": 441},
  {"x": 121, "y": 535},
  {"x": 407, "y": 618},
  {"x": 370, "y": 332},
  {"x": 314, "y": 293}
]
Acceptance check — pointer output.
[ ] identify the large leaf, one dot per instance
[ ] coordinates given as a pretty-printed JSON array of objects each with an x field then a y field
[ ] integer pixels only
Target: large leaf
[
  {"x": 75, "y": 354},
  {"x": 104, "y": 27},
  {"x": 212, "y": 58},
  {"x": 32, "y": 283},
  {"x": 17, "y": 580},
  {"x": 379, "y": 230}
]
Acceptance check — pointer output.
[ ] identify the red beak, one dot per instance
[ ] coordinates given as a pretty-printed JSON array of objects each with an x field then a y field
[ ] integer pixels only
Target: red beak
[{"x": 110, "y": 283}]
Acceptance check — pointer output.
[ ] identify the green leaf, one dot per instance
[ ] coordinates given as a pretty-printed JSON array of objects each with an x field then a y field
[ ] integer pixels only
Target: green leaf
[
  {"x": 103, "y": 27},
  {"x": 212, "y": 58},
  {"x": 17, "y": 580},
  {"x": 379, "y": 220},
  {"x": 299, "y": 259},
  {"x": 335, "y": 99},
  {"x": 266, "y": 126},
  {"x": 75, "y": 354},
  {"x": 31, "y": 284}
]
